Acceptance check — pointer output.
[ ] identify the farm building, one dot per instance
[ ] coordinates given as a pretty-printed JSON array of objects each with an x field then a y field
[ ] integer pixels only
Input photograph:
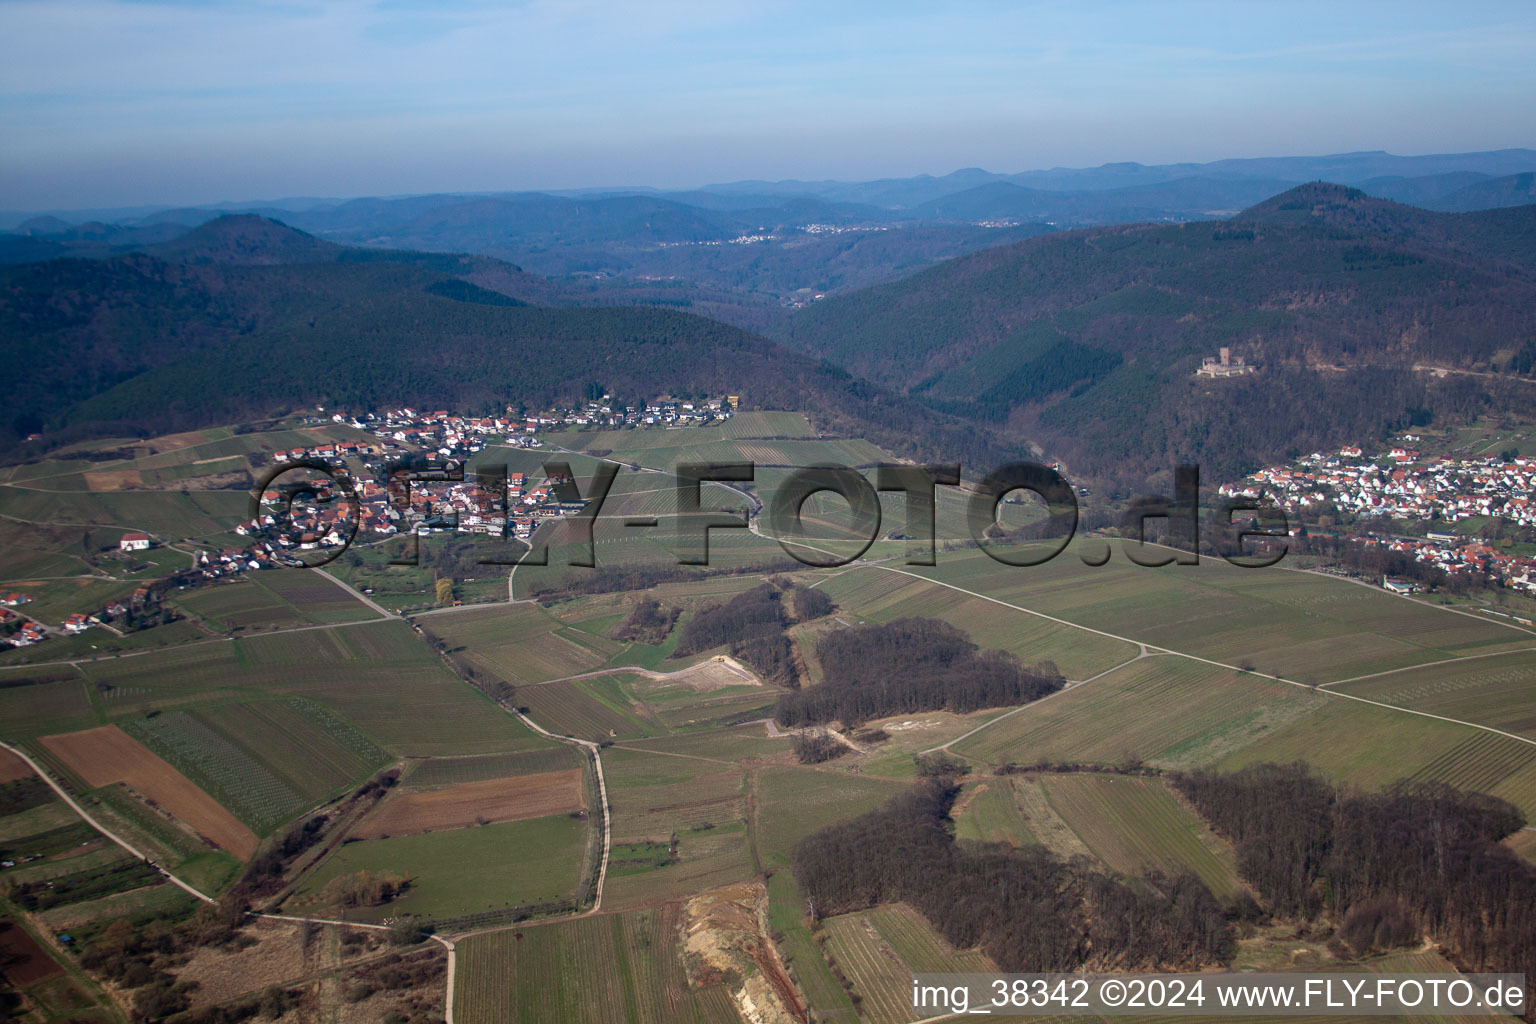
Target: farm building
[{"x": 134, "y": 542}]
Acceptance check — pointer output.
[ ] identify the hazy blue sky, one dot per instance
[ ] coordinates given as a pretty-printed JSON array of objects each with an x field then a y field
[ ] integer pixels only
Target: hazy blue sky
[{"x": 139, "y": 101}]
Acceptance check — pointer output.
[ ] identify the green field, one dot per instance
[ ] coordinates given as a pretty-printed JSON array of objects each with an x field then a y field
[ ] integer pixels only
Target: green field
[
  {"x": 1372, "y": 747},
  {"x": 1136, "y": 824},
  {"x": 802, "y": 956},
  {"x": 1013, "y": 809},
  {"x": 602, "y": 969},
  {"x": 881, "y": 948},
  {"x": 1301, "y": 626},
  {"x": 43, "y": 708},
  {"x": 793, "y": 802},
  {"x": 877, "y": 596},
  {"x": 267, "y": 762},
  {"x": 280, "y": 598},
  {"x": 729, "y": 744},
  {"x": 651, "y": 794},
  {"x": 519, "y": 644},
  {"x": 706, "y": 857},
  {"x": 654, "y": 799},
  {"x": 586, "y": 708},
  {"x": 437, "y": 772},
  {"x": 1494, "y": 690},
  {"x": 379, "y": 677},
  {"x": 171, "y": 515},
  {"x": 1164, "y": 710},
  {"x": 465, "y": 870}
]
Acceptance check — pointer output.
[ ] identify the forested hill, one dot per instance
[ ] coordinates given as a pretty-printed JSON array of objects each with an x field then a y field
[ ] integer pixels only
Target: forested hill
[
  {"x": 244, "y": 318},
  {"x": 1089, "y": 340}
]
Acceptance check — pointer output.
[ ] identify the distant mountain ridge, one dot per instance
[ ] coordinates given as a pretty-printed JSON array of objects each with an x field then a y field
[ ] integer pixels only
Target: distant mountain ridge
[
  {"x": 745, "y": 252},
  {"x": 1432, "y": 176}
]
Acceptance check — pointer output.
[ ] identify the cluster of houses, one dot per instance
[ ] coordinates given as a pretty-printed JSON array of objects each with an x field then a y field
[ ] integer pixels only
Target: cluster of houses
[
  {"x": 466, "y": 506},
  {"x": 1403, "y": 484},
  {"x": 294, "y": 517},
  {"x": 457, "y": 435},
  {"x": 323, "y": 520},
  {"x": 23, "y": 631},
  {"x": 463, "y": 505},
  {"x": 28, "y": 631},
  {"x": 336, "y": 452}
]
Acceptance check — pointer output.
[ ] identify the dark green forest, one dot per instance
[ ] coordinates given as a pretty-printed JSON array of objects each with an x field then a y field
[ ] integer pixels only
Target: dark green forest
[{"x": 1088, "y": 341}]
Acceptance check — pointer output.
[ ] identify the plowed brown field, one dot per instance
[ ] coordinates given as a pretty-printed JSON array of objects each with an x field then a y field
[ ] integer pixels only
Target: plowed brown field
[
  {"x": 471, "y": 803},
  {"x": 105, "y": 755},
  {"x": 12, "y": 767}
]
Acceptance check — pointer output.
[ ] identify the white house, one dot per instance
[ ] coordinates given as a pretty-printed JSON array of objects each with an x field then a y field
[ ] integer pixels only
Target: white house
[{"x": 134, "y": 542}]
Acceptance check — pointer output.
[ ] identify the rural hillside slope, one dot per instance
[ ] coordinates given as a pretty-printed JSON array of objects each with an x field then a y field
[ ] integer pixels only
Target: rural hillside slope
[
  {"x": 1089, "y": 340},
  {"x": 244, "y": 317}
]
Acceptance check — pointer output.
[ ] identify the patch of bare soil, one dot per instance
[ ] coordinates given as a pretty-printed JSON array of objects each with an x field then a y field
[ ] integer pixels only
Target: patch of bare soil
[
  {"x": 725, "y": 941},
  {"x": 12, "y": 767},
  {"x": 715, "y": 674},
  {"x": 473, "y": 803},
  {"x": 106, "y": 754},
  {"x": 25, "y": 962}
]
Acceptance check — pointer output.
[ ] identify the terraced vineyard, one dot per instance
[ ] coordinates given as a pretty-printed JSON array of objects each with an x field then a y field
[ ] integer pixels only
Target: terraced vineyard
[
  {"x": 267, "y": 761},
  {"x": 1163, "y": 710},
  {"x": 1494, "y": 690},
  {"x": 881, "y": 948},
  {"x": 575, "y": 708},
  {"x": 437, "y": 772},
  {"x": 616, "y": 967},
  {"x": 879, "y": 596},
  {"x": 1135, "y": 825},
  {"x": 1373, "y": 747}
]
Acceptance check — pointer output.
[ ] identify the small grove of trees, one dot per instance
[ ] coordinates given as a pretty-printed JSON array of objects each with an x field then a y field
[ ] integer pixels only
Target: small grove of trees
[
  {"x": 753, "y": 625},
  {"x": 811, "y": 604},
  {"x": 908, "y": 666},
  {"x": 939, "y": 764},
  {"x": 754, "y": 614},
  {"x": 364, "y": 888},
  {"x": 816, "y": 747},
  {"x": 1026, "y": 909},
  {"x": 648, "y": 622},
  {"x": 136, "y": 954},
  {"x": 1419, "y": 858}
]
